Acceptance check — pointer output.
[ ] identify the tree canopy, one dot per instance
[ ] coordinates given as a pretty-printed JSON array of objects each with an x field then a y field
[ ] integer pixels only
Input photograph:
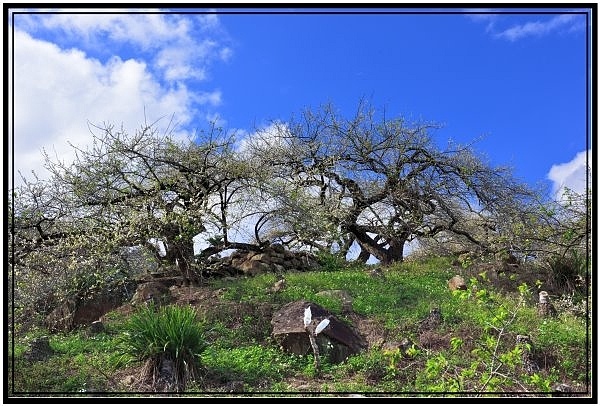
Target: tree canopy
[
  {"x": 321, "y": 181},
  {"x": 380, "y": 182}
]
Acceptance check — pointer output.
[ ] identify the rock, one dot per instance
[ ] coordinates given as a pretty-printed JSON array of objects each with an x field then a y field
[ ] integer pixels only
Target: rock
[
  {"x": 39, "y": 349},
  {"x": 529, "y": 363},
  {"x": 340, "y": 295},
  {"x": 545, "y": 308},
  {"x": 432, "y": 321},
  {"x": 151, "y": 292},
  {"x": 270, "y": 259},
  {"x": 406, "y": 344},
  {"x": 254, "y": 268},
  {"x": 376, "y": 273},
  {"x": 562, "y": 389},
  {"x": 457, "y": 283},
  {"x": 465, "y": 259},
  {"x": 128, "y": 381},
  {"x": 234, "y": 387},
  {"x": 278, "y": 286},
  {"x": 391, "y": 346},
  {"x": 260, "y": 257},
  {"x": 74, "y": 312},
  {"x": 61, "y": 318},
  {"x": 338, "y": 341},
  {"x": 89, "y": 310},
  {"x": 95, "y": 328},
  {"x": 402, "y": 346}
]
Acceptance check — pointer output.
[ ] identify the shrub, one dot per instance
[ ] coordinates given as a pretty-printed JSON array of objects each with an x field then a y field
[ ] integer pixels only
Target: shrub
[
  {"x": 331, "y": 262},
  {"x": 169, "y": 334},
  {"x": 568, "y": 272}
]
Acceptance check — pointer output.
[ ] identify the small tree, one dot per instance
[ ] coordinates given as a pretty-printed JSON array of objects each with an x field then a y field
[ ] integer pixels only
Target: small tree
[{"x": 380, "y": 182}]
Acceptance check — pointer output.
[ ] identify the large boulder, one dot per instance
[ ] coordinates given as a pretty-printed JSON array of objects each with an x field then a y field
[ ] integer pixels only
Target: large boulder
[
  {"x": 457, "y": 282},
  {"x": 61, "y": 318},
  {"x": 73, "y": 312},
  {"x": 337, "y": 342}
]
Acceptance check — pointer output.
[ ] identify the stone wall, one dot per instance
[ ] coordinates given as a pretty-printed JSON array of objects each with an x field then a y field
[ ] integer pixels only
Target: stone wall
[{"x": 271, "y": 259}]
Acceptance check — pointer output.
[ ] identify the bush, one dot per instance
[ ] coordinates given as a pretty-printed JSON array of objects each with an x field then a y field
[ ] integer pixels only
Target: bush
[
  {"x": 331, "y": 262},
  {"x": 568, "y": 272},
  {"x": 169, "y": 334}
]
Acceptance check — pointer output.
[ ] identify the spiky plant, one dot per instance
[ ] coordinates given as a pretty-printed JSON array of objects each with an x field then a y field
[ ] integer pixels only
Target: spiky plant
[{"x": 170, "y": 339}]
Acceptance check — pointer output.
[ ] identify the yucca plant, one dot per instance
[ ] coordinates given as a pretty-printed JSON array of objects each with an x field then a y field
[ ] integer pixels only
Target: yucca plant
[{"x": 170, "y": 339}]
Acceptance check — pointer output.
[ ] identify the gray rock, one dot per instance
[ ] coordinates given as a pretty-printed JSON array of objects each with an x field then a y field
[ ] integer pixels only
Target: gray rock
[
  {"x": 39, "y": 349},
  {"x": 95, "y": 328}
]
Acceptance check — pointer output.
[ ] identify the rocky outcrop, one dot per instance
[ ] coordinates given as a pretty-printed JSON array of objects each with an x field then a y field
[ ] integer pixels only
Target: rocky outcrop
[
  {"x": 61, "y": 318},
  {"x": 272, "y": 259},
  {"x": 154, "y": 292},
  {"x": 529, "y": 364},
  {"x": 72, "y": 313},
  {"x": 545, "y": 307},
  {"x": 337, "y": 341}
]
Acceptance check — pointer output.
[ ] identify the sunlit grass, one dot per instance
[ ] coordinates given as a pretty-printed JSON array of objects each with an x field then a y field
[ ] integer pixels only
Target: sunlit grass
[{"x": 235, "y": 344}]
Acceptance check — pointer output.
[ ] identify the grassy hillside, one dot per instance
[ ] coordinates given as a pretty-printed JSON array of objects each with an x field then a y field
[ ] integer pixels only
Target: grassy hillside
[{"x": 472, "y": 352}]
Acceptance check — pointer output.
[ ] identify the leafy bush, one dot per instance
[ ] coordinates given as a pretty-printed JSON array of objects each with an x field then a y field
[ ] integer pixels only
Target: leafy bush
[
  {"x": 331, "y": 262},
  {"x": 170, "y": 333}
]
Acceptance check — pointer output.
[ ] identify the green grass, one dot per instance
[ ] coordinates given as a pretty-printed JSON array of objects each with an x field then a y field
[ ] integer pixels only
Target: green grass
[
  {"x": 252, "y": 364},
  {"x": 78, "y": 364},
  {"x": 234, "y": 344}
]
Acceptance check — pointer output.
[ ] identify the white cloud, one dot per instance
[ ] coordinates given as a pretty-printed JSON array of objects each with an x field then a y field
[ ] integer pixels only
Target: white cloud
[
  {"x": 571, "y": 175},
  {"x": 53, "y": 105},
  {"x": 59, "y": 90},
  {"x": 172, "y": 39},
  {"x": 483, "y": 16},
  {"x": 562, "y": 22},
  {"x": 273, "y": 137}
]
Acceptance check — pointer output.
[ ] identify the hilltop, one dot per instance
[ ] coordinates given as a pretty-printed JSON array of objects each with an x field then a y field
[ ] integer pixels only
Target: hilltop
[{"x": 474, "y": 347}]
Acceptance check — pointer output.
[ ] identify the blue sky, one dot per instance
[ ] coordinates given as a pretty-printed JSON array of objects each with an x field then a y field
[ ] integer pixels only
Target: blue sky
[{"x": 517, "y": 80}]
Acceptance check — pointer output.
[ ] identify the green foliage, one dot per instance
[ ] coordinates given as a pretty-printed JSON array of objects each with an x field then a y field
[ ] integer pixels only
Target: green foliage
[
  {"x": 78, "y": 364},
  {"x": 373, "y": 365},
  {"x": 495, "y": 362},
  {"x": 252, "y": 364},
  {"x": 568, "y": 272},
  {"x": 479, "y": 353},
  {"x": 331, "y": 262},
  {"x": 170, "y": 332}
]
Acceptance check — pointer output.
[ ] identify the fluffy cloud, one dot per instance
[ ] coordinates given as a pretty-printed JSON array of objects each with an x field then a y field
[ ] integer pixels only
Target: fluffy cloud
[
  {"x": 57, "y": 92},
  {"x": 171, "y": 39},
  {"x": 71, "y": 70},
  {"x": 571, "y": 175}
]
